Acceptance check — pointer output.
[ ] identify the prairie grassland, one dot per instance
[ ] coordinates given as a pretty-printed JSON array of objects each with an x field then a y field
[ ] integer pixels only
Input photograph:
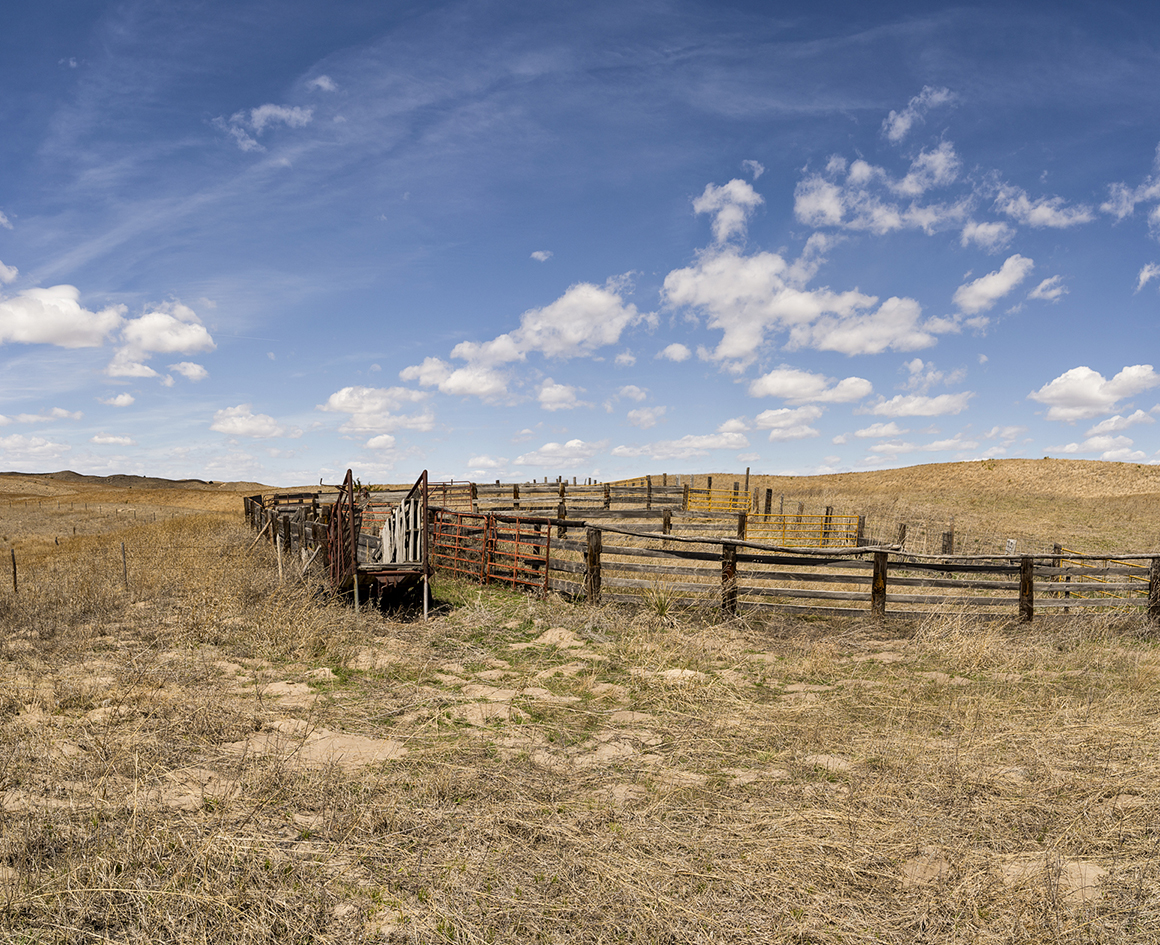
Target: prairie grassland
[{"x": 211, "y": 756}]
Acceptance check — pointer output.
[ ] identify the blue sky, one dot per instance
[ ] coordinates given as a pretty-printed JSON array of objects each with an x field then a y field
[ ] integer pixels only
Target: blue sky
[{"x": 499, "y": 240}]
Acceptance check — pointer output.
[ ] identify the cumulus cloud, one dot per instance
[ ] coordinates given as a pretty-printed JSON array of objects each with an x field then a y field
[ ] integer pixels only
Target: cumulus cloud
[
  {"x": 384, "y": 441},
  {"x": 897, "y": 125},
  {"x": 1122, "y": 199},
  {"x": 798, "y": 387},
  {"x": 878, "y": 430},
  {"x": 1149, "y": 272},
  {"x": 789, "y": 423},
  {"x": 646, "y": 417},
  {"x": 624, "y": 359},
  {"x": 1050, "y": 212},
  {"x": 240, "y": 124},
  {"x": 1049, "y": 290},
  {"x": 20, "y": 448},
  {"x": 561, "y": 454},
  {"x": 984, "y": 292},
  {"x": 755, "y": 168},
  {"x": 242, "y": 421},
  {"x": 989, "y": 236},
  {"x": 377, "y": 409},
  {"x": 54, "y": 316},
  {"x": 731, "y": 206},
  {"x": 190, "y": 371},
  {"x": 863, "y": 197},
  {"x": 686, "y": 447},
  {"x": 45, "y": 416},
  {"x": 542, "y": 255},
  {"x": 1117, "y": 423},
  {"x": 746, "y": 296},
  {"x": 958, "y": 442},
  {"x": 1111, "y": 448},
  {"x": 120, "y": 400},
  {"x": 1082, "y": 393},
  {"x": 675, "y": 352},
  {"x": 923, "y": 375},
  {"x": 323, "y": 82},
  {"x": 106, "y": 439},
  {"x": 585, "y": 318},
  {"x": 487, "y": 462},
  {"x": 918, "y": 405},
  {"x": 8, "y": 273},
  {"x": 632, "y": 392},
  {"x": 171, "y": 328},
  {"x": 553, "y": 396},
  {"x": 4, "y": 221}
]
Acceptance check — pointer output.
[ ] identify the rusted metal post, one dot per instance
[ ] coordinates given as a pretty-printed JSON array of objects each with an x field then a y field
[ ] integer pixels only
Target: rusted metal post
[
  {"x": 592, "y": 566},
  {"x": 728, "y": 578},
  {"x": 878, "y": 585},
  {"x": 1026, "y": 589}
]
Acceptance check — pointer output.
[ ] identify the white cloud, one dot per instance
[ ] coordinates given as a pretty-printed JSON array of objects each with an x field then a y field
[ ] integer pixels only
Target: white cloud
[
  {"x": 877, "y": 430},
  {"x": 646, "y": 417},
  {"x": 8, "y": 274},
  {"x": 4, "y": 221},
  {"x": 542, "y": 255},
  {"x": 106, "y": 439},
  {"x": 487, "y": 462},
  {"x": 240, "y": 124},
  {"x": 242, "y": 421},
  {"x": 561, "y": 454},
  {"x": 553, "y": 396},
  {"x": 686, "y": 447},
  {"x": 1046, "y": 211},
  {"x": 989, "y": 236},
  {"x": 675, "y": 352},
  {"x": 632, "y": 392},
  {"x": 1112, "y": 448},
  {"x": 788, "y": 423},
  {"x": 190, "y": 370},
  {"x": 19, "y": 448},
  {"x": 897, "y": 125},
  {"x": 798, "y": 387},
  {"x": 624, "y": 359},
  {"x": 384, "y": 441},
  {"x": 731, "y": 205},
  {"x": 734, "y": 425},
  {"x": 957, "y": 442},
  {"x": 171, "y": 328},
  {"x": 323, "y": 82},
  {"x": 984, "y": 292},
  {"x": 376, "y": 409},
  {"x": 756, "y": 168},
  {"x": 1123, "y": 199},
  {"x": 1082, "y": 393},
  {"x": 120, "y": 400},
  {"x": 746, "y": 296},
  {"x": 923, "y": 375},
  {"x": 917, "y": 405},
  {"x": 1149, "y": 272},
  {"x": 1049, "y": 290},
  {"x": 48, "y": 416},
  {"x": 54, "y": 316},
  {"x": 1117, "y": 423},
  {"x": 585, "y": 318},
  {"x": 862, "y": 197}
]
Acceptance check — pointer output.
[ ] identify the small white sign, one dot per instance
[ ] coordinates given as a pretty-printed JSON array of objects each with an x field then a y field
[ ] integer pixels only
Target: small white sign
[{"x": 1010, "y": 546}]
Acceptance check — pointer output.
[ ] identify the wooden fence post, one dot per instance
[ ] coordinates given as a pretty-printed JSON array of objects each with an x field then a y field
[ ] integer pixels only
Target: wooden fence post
[
  {"x": 592, "y": 565},
  {"x": 742, "y": 521},
  {"x": 515, "y": 497},
  {"x": 607, "y": 496},
  {"x": 768, "y": 502},
  {"x": 735, "y": 501},
  {"x": 561, "y": 514},
  {"x": 474, "y": 499},
  {"x": 1026, "y": 589},
  {"x": 948, "y": 542},
  {"x": 729, "y": 578},
  {"x": 667, "y": 522},
  {"x": 878, "y": 585},
  {"x": 648, "y": 492},
  {"x": 860, "y": 536},
  {"x": 827, "y": 524},
  {"x": 685, "y": 499},
  {"x": 1153, "y": 589}
]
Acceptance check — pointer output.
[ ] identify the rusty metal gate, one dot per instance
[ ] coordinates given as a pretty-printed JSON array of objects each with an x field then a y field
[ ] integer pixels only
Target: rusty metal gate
[
  {"x": 345, "y": 520},
  {"x": 505, "y": 549}
]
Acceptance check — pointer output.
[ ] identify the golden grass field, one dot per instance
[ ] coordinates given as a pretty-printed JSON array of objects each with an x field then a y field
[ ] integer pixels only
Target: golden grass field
[{"x": 209, "y": 755}]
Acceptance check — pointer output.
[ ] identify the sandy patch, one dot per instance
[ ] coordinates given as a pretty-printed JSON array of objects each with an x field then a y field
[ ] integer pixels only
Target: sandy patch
[
  {"x": 480, "y": 713},
  {"x": 565, "y": 669},
  {"x": 608, "y": 753},
  {"x": 492, "y": 675},
  {"x": 628, "y": 717},
  {"x": 624, "y": 793},
  {"x": 562, "y": 637},
  {"x": 299, "y": 695},
  {"x": 322, "y": 674},
  {"x": 834, "y": 764},
  {"x": 542, "y": 695},
  {"x": 927, "y": 869},
  {"x": 490, "y": 693},
  {"x": 316, "y": 747},
  {"x": 742, "y": 776},
  {"x": 191, "y": 789},
  {"x": 611, "y": 690},
  {"x": 1078, "y": 880}
]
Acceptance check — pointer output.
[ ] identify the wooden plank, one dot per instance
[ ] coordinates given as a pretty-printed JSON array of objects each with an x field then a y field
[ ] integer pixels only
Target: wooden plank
[
  {"x": 959, "y": 600},
  {"x": 630, "y": 552},
  {"x": 572, "y": 567},
  {"x": 1011, "y": 586},
  {"x": 575, "y": 588},
  {"x": 1047, "y": 573},
  {"x": 808, "y": 576},
  {"x": 854, "y": 564},
  {"x": 711, "y": 573},
  {"x": 1058, "y": 603},
  {"x": 803, "y": 593},
  {"x": 713, "y": 588}
]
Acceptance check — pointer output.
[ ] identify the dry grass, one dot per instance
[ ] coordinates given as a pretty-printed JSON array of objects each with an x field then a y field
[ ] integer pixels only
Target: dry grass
[{"x": 210, "y": 756}]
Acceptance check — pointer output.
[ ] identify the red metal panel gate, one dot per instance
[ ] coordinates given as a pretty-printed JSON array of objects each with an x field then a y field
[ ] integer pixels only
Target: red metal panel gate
[{"x": 507, "y": 549}]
